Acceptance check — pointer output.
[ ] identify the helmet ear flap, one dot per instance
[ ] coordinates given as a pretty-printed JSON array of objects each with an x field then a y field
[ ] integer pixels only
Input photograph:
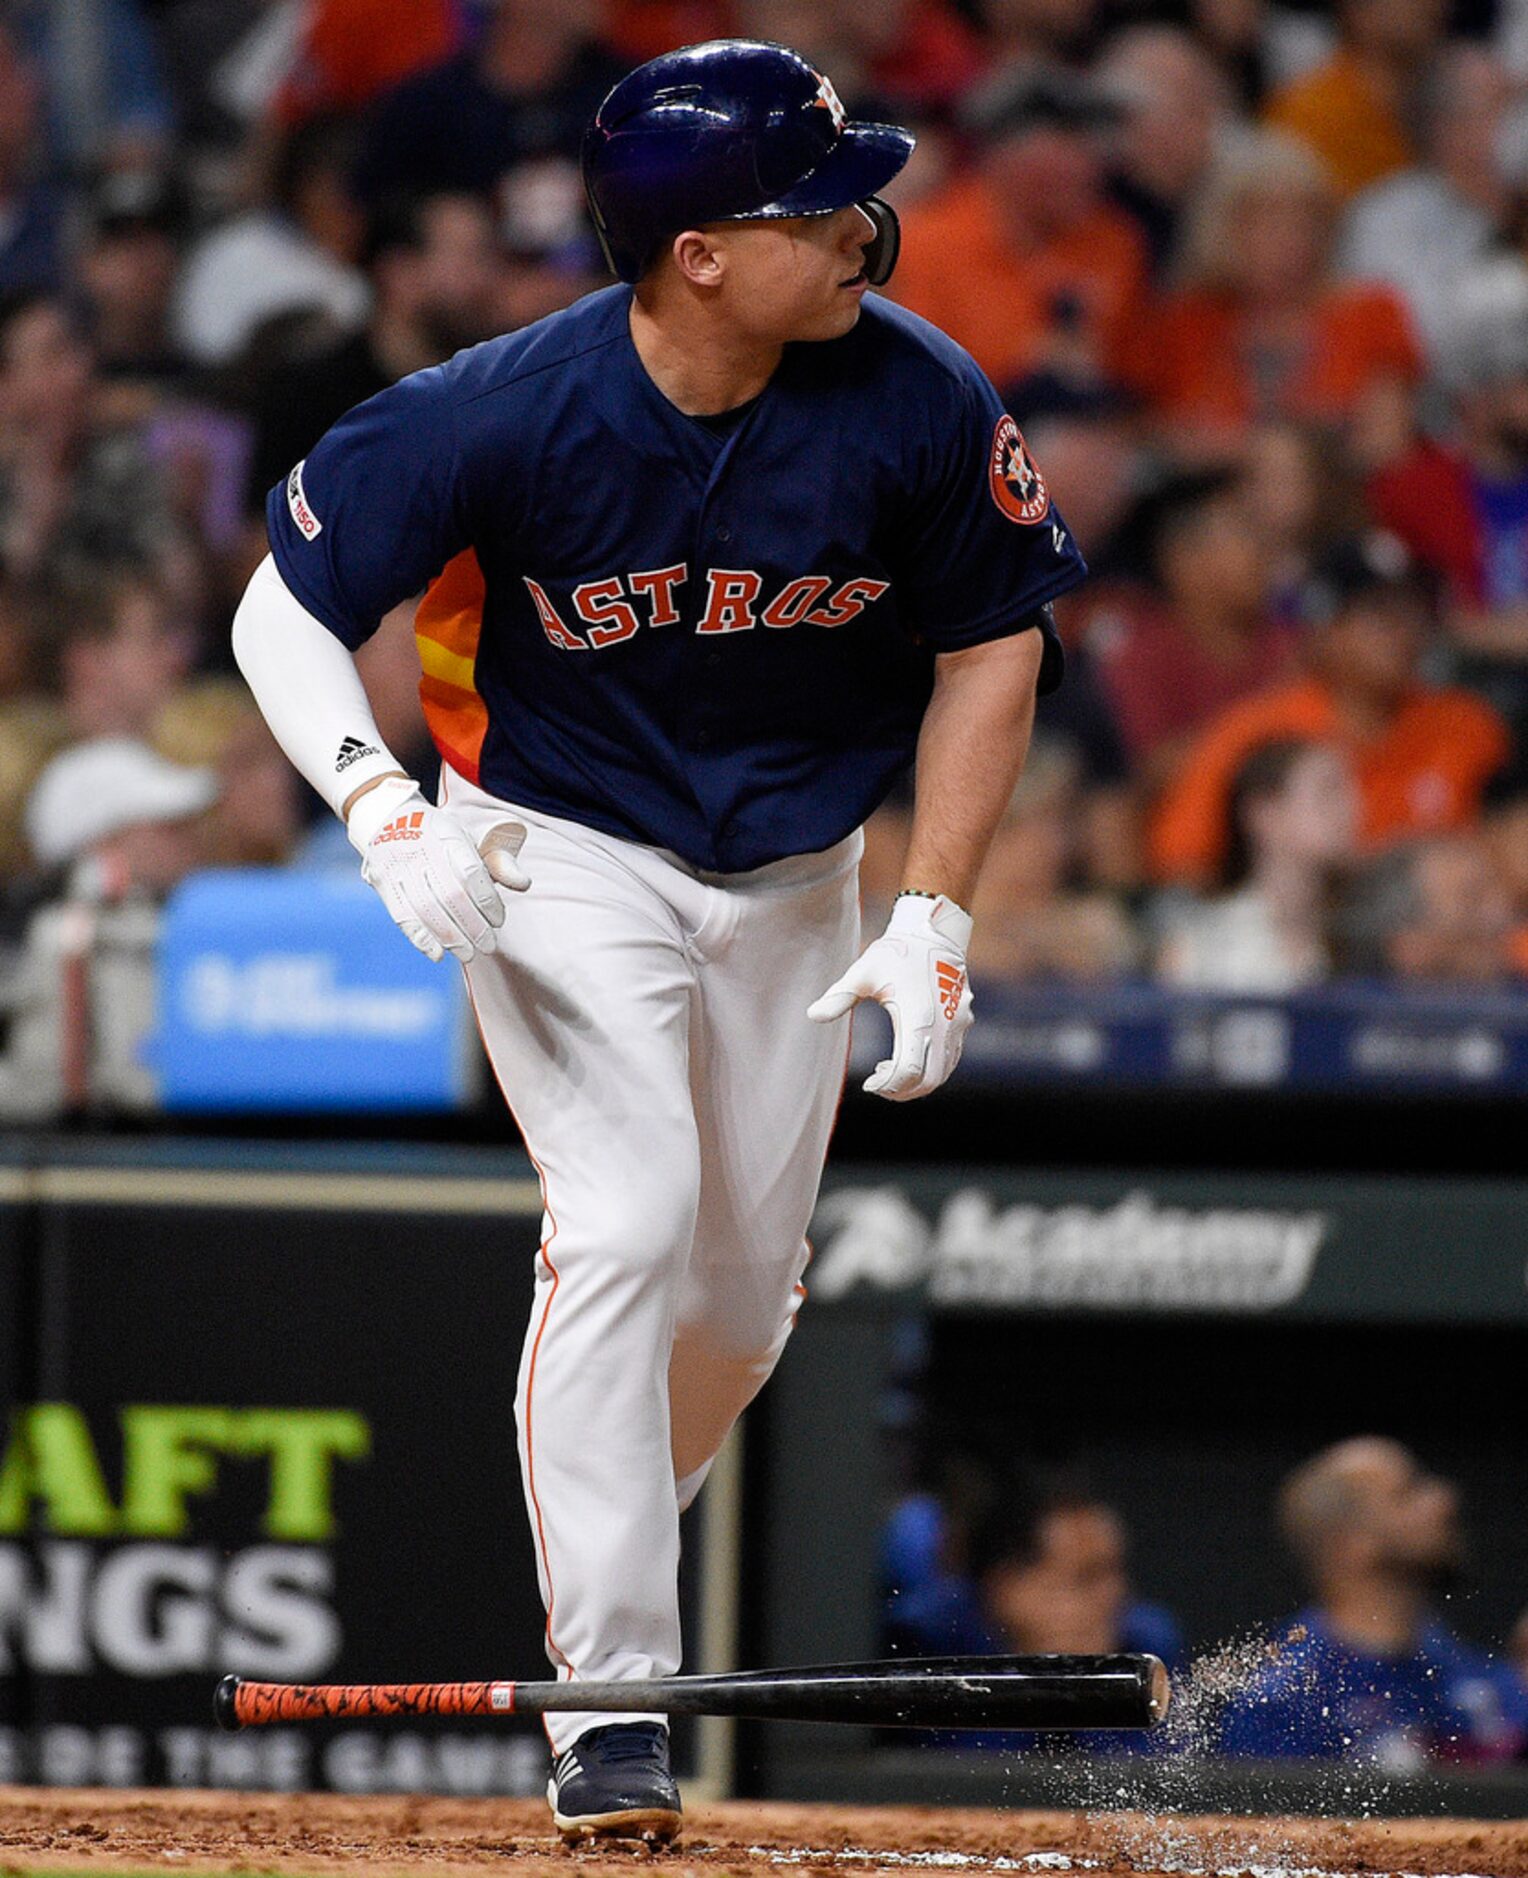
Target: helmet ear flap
[{"x": 881, "y": 255}]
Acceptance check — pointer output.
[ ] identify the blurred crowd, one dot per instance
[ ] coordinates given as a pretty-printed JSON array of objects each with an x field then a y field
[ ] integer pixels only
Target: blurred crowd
[
  {"x": 1252, "y": 277},
  {"x": 1003, "y": 1561}
]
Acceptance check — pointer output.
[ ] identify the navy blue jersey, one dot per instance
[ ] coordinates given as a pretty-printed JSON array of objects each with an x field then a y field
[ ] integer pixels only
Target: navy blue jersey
[{"x": 715, "y": 640}]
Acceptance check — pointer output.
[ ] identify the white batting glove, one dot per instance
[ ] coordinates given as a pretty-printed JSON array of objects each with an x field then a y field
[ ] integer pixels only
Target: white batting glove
[
  {"x": 443, "y": 894},
  {"x": 917, "y": 970}
]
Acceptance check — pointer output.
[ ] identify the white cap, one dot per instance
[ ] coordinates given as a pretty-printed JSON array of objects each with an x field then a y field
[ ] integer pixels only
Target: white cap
[{"x": 99, "y": 788}]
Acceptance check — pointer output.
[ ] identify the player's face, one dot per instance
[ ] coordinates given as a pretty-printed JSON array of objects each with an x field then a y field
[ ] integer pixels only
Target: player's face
[{"x": 799, "y": 278}]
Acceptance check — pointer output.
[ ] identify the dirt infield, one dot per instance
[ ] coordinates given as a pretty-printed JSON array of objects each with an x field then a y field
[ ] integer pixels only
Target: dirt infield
[{"x": 108, "y": 1830}]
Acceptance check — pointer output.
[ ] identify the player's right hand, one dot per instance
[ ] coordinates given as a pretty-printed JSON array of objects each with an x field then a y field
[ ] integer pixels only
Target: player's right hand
[{"x": 442, "y": 893}]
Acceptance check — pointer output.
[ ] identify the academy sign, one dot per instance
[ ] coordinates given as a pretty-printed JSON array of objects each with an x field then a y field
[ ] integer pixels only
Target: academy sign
[{"x": 1137, "y": 1252}]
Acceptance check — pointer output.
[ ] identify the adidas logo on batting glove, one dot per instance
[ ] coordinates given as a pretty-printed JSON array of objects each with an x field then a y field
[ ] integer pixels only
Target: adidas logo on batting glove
[
  {"x": 442, "y": 893},
  {"x": 917, "y": 971}
]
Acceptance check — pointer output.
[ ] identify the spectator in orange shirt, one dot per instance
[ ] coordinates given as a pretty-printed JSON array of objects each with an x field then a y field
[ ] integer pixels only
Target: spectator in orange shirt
[
  {"x": 1355, "y": 111},
  {"x": 1261, "y": 329},
  {"x": 1021, "y": 259},
  {"x": 1423, "y": 755}
]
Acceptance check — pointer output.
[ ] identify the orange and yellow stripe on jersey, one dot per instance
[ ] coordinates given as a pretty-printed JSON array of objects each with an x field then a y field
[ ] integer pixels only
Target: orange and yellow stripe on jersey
[{"x": 447, "y": 627}]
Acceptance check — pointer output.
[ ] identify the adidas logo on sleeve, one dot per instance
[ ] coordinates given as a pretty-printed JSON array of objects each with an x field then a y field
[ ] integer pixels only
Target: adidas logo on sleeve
[{"x": 351, "y": 751}]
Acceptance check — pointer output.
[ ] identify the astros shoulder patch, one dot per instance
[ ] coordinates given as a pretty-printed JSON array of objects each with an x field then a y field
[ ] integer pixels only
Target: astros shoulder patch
[{"x": 1013, "y": 476}]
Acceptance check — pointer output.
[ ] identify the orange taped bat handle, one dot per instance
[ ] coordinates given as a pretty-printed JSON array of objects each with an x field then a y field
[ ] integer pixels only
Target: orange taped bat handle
[{"x": 241, "y": 1704}]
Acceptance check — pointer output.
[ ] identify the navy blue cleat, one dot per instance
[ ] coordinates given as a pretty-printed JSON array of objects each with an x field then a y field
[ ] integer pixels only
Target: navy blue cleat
[{"x": 614, "y": 1783}]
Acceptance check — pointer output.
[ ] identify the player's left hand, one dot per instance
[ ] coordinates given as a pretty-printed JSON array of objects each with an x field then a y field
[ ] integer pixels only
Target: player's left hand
[{"x": 917, "y": 971}]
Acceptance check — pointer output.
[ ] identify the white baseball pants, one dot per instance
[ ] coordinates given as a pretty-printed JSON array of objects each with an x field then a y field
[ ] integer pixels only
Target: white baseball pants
[{"x": 648, "y": 1027}]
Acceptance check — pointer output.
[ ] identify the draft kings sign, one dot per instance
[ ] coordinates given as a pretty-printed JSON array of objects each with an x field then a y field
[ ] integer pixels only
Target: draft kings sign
[{"x": 95, "y": 1577}]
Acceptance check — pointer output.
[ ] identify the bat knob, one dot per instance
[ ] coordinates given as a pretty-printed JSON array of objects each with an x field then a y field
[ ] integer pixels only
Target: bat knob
[
  {"x": 1161, "y": 1688},
  {"x": 225, "y": 1711}
]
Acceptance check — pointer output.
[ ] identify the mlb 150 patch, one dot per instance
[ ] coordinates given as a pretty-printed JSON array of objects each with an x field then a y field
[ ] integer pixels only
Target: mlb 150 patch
[{"x": 307, "y": 522}]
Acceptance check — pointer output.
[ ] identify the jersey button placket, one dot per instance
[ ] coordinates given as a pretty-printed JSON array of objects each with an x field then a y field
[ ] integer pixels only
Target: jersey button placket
[{"x": 710, "y": 533}]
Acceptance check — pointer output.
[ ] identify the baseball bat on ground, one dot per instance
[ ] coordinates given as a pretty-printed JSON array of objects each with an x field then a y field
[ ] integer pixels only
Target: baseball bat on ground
[{"x": 1040, "y": 1692}]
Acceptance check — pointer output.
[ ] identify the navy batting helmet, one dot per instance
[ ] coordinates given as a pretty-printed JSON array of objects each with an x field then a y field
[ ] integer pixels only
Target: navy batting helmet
[{"x": 735, "y": 130}]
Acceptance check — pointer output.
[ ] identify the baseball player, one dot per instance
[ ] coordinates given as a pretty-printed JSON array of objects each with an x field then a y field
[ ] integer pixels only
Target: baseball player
[{"x": 705, "y": 559}]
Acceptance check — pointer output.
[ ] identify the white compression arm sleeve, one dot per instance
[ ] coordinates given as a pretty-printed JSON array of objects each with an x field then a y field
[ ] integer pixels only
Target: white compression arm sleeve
[{"x": 308, "y": 689}]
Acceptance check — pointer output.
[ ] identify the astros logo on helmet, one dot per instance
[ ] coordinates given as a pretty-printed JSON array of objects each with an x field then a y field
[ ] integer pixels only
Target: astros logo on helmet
[{"x": 828, "y": 100}]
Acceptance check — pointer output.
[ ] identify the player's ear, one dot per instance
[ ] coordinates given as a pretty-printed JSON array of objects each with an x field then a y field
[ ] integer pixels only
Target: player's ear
[{"x": 699, "y": 257}]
